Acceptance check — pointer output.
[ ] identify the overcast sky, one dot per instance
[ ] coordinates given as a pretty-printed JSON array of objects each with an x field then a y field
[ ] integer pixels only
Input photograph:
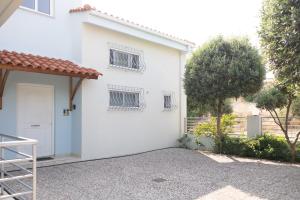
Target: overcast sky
[{"x": 194, "y": 20}]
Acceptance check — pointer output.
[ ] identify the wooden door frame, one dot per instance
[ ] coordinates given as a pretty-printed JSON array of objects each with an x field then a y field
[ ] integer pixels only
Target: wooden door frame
[{"x": 52, "y": 153}]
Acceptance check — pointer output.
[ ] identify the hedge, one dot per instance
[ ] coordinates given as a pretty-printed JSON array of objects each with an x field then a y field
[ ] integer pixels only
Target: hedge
[{"x": 265, "y": 147}]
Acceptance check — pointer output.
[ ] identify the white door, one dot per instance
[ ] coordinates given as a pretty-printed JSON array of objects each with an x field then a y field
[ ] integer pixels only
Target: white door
[{"x": 35, "y": 105}]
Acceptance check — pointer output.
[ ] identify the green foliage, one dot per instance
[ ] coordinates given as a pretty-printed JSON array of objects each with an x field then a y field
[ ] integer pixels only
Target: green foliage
[
  {"x": 280, "y": 38},
  {"x": 223, "y": 69},
  {"x": 184, "y": 140},
  {"x": 196, "y": 110},
  {"x": 250, "y": 98},
  {"x": 264, "y": 147},
  {"x": 188, "y": 141},
  {"x": 226, "y": 109},
  {"x": 209, "y": 128},
  {"x": 271, "y": 98},
  {"x": 279, "y": 97},
  {"x": 296, "y": 107},
  {"x": 234, "y": 146}
]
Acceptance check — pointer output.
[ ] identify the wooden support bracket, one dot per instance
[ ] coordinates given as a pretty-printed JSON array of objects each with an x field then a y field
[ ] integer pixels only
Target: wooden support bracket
[
  {"x": 3, "y": 79},
  {"x": 72, "y": 91}
]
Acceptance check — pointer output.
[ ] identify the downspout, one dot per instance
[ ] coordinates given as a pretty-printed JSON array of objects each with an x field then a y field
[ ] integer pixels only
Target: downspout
[
  {"x": 180, "y": 93},
  {"x": 181, "y": 90},
  {"x": 181, "y": 119}
]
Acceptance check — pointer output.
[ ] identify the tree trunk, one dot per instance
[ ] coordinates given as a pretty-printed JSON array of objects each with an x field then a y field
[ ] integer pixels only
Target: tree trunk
[
  {"x": 219, "y": 131},
  {"x": 293, "y": 153}
]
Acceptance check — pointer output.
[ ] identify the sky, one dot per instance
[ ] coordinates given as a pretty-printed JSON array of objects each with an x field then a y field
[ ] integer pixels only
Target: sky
[{"x": 194, "y": 20}]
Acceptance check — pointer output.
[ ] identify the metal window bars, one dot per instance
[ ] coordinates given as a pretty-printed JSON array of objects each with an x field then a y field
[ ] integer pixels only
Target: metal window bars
[
  {"x": 169, "y": 101},
  {"x": 9, "y": 146},
  {"x": 125, "y": 98},
  {"x": 126, "y": 58}
]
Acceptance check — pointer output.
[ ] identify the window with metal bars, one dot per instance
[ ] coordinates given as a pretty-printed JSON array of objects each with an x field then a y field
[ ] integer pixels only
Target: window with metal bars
[
  {"x": 124, "y": 59},
  {"x": 124, "y": 99},
  {"x": 167, "y": 102}
]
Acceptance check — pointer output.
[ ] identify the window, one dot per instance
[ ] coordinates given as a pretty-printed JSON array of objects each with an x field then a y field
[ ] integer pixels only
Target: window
[
  {"x": 124, "y": 99},
  {"x": 167, "y": 102},
  {"x": 43, "y": 6},
  {"x": 124, "y": 59},
  {"x": 29, "y": 4}
]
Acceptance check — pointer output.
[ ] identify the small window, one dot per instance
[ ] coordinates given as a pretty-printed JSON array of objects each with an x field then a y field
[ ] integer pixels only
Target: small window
[
  {"x": 167, "y": 102},
  {"x": 124, "y": 99},
  {"x": 124, "y": 59},
  {"x": 42, "y": 6},
  {"x": 28, "y": 4}
]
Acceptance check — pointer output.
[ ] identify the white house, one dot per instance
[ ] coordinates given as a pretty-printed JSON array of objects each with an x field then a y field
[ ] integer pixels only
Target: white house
[{"x": 86, "y": 83}]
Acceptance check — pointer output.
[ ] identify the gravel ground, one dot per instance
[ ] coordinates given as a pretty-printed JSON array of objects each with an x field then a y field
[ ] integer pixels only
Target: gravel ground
[{"x": 174, "y": 173}]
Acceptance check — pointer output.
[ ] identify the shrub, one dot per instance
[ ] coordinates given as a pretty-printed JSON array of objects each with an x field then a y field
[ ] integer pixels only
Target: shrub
[
  {"x": 188, "y": 141},
  {"x": 274, "y": 148},
  {"x": 265, "y": 147},
  {"x": 232, "y": 145},
  {"x": 209, "y": 128},
  {"x": 183, "y": 141}
]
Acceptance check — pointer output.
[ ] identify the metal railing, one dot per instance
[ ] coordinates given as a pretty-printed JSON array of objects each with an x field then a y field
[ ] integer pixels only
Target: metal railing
[
  {"x": 10, "y": 147},
  {"x": 238, "y": 129},
  {"x": 269, "y": 126},
  {"x": 191, "y": 122}
]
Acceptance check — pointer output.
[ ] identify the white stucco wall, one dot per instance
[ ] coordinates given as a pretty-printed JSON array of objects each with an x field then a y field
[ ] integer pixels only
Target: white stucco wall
[
  {"x": 52, "y": 36},
  {"x": 31, "y": 32},
  {"x": 113, "y": 133},
  {"x": 93, "y": 131}
]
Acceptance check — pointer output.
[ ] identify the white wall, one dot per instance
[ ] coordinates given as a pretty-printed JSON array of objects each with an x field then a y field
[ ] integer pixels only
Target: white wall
[
  {"x": 113, "y": 133},
  {"x": 32, "y": 32},
  {"x": 104, "y": 133},
  {"x": 52, "y": 36}
]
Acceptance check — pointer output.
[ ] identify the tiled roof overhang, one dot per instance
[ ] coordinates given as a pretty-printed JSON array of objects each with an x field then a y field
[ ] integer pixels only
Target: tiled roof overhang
[
  {"x": 188, "y": 46},
  {"x": 14, "y": 61}
]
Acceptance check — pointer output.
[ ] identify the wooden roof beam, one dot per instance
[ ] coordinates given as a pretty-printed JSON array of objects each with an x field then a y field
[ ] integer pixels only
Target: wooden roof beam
[{"x": 3, "y": 79}]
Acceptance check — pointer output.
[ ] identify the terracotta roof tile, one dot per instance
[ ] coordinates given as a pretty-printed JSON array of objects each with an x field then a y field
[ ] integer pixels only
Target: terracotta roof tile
[
  {"x": 40, "y": 64},
  {"x": 84, "y": 8},
  {"x": 88, "y": 7}
]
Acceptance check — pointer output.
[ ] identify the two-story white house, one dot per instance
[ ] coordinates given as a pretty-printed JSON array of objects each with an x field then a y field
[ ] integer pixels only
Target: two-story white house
[{"x": 86, "y": 83}]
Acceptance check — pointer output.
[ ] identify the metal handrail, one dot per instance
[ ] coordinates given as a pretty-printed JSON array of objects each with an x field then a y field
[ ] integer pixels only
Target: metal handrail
[{"x": 6, "y": 144}]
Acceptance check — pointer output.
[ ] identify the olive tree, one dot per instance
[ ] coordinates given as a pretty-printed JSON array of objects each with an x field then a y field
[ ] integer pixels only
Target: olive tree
[
  {"x": 196, "y": 110},
  {"x": 223, "y": 69},
  {"x": 277, "y": 99},
  {"x": 280, "y": 38},
  {"x": 280, "y": 41}
]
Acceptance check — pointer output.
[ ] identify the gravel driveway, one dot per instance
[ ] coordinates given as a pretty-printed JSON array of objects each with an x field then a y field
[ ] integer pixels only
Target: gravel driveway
[{"x": 170, "y": 174}]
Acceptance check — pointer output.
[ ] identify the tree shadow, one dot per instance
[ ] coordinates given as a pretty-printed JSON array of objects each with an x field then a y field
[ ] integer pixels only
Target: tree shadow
[{"x": 245, "y": 178}]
